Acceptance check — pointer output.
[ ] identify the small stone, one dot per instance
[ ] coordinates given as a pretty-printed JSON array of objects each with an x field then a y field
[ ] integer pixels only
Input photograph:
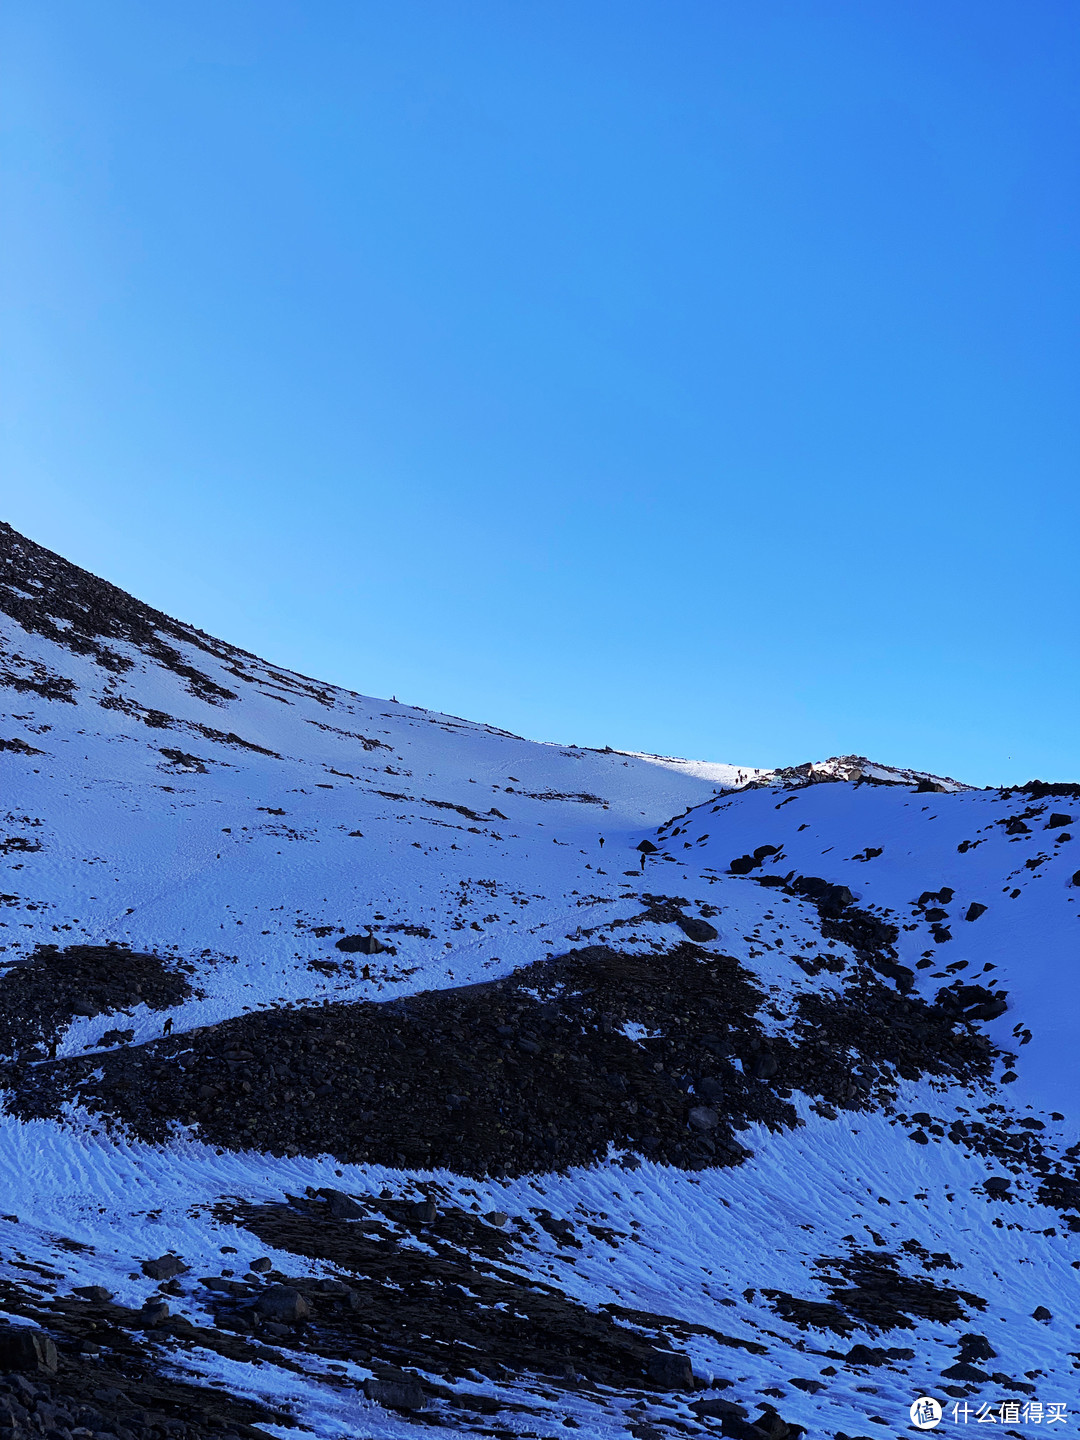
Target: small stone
[
  {"x": 997, "y": 1185},
  {"x": 154, "y": 1312},
  {"x": 97, "y": 1293},
  {"x": 261, "y": 1265},
  {"x": 426, "y": 1211},
  {"x": 974, "y": 910},
  {"x": 496, "y": 1217},
  {"x": 1041, "y": 1313}
]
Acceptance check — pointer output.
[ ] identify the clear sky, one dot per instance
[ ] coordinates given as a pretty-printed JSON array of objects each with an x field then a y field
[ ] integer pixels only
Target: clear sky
[{"x": 689, "y": 376}]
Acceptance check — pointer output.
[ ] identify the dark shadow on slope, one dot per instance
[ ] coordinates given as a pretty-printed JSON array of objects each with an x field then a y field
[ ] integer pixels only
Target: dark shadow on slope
[{"x": 531, "y": 1073}]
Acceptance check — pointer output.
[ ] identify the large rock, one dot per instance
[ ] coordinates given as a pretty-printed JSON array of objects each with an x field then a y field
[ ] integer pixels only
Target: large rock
[
  {"x": 833, "y": 898},
  {"x": 697, "y": 930},
  {"x": 703, "y": 1118},
  {"x": 718, "y": 1409},
  {"x": 404, "y": 1394},
  {"x": 671, "y": 1370},
  {"x": 27, "y": 1350},
  {"x": 283, "y": 1304},
  {"x": 154, "y": 1312},
  {"x": 164, "y": 1268},
  {"x": 963, "y": 1371},
  {"x": 342, "y": 1206},
  {"x": 359, "y": 945}
]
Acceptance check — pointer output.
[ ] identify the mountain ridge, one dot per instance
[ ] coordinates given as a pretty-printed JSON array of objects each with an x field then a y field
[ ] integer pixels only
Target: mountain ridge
[{"x": 287, "y": 968}]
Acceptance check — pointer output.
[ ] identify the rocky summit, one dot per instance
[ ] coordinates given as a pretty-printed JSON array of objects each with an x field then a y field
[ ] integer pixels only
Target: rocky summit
[{"x": 367, "y": 1070}]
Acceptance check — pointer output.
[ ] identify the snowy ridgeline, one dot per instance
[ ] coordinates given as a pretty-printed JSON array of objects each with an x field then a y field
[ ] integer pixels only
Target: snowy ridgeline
[{"x": 772, "y": 1073}]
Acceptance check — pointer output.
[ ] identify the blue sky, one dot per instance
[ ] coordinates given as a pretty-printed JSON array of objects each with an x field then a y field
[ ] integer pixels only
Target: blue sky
[{"x": 694, "y": 377}]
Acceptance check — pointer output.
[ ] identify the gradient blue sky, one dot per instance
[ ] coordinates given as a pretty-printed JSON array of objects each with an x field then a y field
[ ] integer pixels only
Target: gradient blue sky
[{"x": 696, "y": 377}]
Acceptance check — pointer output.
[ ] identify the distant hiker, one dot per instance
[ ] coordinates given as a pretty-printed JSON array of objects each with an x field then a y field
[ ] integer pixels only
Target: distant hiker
[
  {"x": 166, "y": 1029},
  {"x": 601, "y": 842},
  {"x": 643, "y": 862}
]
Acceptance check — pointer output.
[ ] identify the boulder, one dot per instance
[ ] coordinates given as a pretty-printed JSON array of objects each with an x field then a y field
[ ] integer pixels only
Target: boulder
[
  {"x": 901, "y": 976},
  {"x": 164, "y": 1268},
  {"x": 974, "y": 910},
  {"x": 831, "y": 899},
  {"x": 671, "y": 1370},
  {"x": 403, "y": 1394},
  {"x": 23, "y": 1349},
  {"x": 997, "y": 1185},
  {"x": 359, "y": 944},
  {"x": 703, "y": 1118},
  {"x": 718, "y": 1409},
  {"x": 976, "y": 1347},
  {"x": 866, "y": 1355},
  {"x": 283, "y": 1304},
  {"x": 342, "y": 1206},
  {"x": 697, "y": 930},
  {"x": 154, "y": 1312},
  {"x": 963, "y": 1371}
]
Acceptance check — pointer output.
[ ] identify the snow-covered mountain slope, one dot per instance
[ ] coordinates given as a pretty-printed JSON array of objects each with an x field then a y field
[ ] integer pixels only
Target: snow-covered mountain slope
[{"x": 559, "y": 1088}]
